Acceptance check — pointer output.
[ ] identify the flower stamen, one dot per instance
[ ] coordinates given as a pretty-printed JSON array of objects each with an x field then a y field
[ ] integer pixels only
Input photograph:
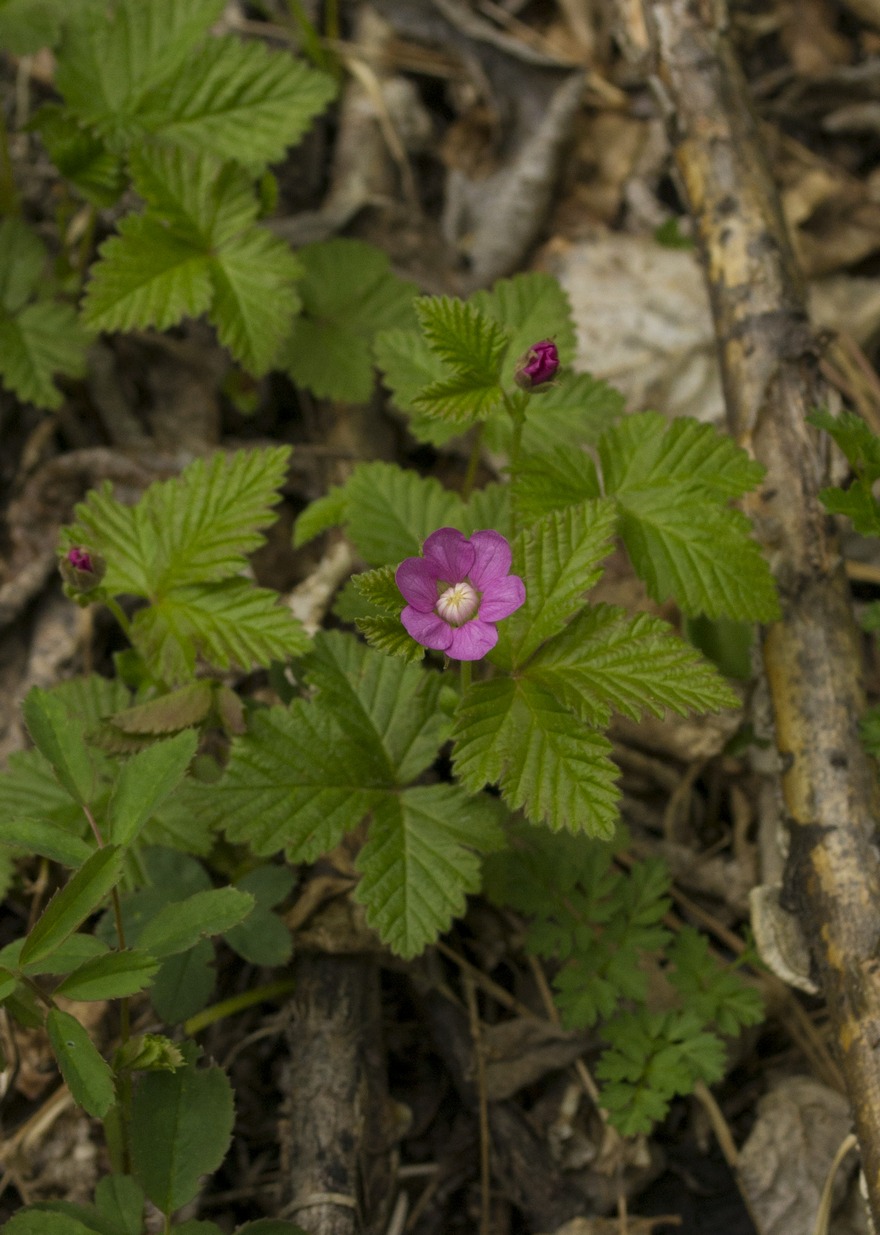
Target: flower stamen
[{"x": 458, "y": 604}]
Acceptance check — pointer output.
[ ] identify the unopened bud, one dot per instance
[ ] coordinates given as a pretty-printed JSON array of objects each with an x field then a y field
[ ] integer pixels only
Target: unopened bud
[
  {"x": 538, "y": 366},
  {"x": 82, "y": 569}
]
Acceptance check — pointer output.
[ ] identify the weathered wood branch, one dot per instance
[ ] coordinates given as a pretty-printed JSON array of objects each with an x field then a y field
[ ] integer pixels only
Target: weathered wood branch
[{"x": 771, "y": 379}]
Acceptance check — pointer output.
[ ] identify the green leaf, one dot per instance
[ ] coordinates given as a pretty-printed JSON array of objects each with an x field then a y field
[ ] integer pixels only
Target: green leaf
[
  {"x": 69, "y": 907},
  {"x": 853, "y": 436},
  {"x": 387, "y": 709},
  {"x": 166, "y": 714},
  {"x": 113, "y": 54},
  {"x": 180, "y": 925},
  {"x": 34, "y": 1221},
  {"x": 529, "y": 307},
  {"x": 254, "y": 297},
  {"x": 378, "y": 587},
  {"x": 112, "y": 976},
  {"x": 145, "y": 781},
  {"x": 41, "y": 341},
  {"x": 408, "y": 366},
  {"x": 515, "y": 733},
  {"x": 208, "y": 519},
  {"x": 547, "y": 482},
  {"x": 87, "y": 1074},
  {"x": 120, "y": 1198},
  {"x": 28, "y": 25},
  {"x": 325, "y": 512},
  {"x": 465, "y": 339},
  {"x": 123, "y": 535},
  {"x": 230, "y": 624},
  {"x": 391, "y": 511},
  {"x": 184, "y": 984},
  {"x": 238, "y": 101},
  {"x": 385, "y": 634},
  {"x": 349, "y": 293},
  {"x": 23, "y": 258},
  {"x": 82, "y": 157},
  {"x": 147, "y": 275},
  {"x": 180, "y": 1130},
  {"x": 857, "y": 503},
  {"x": 605, "y": 662},
  {"x": 61, "y": 743},
  {"x": 559, "y": 561},
  {"x": 421, "y": 860},
  {"x": 263, "y": 938},
  {"x": 67, "y": 956},
  {"x": 8, "y": 983},
  {"x": 46, "y": 839}
]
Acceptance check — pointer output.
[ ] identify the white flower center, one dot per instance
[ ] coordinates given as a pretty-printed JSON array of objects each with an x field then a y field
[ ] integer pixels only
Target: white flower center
[{"x": 457, "y": 604}]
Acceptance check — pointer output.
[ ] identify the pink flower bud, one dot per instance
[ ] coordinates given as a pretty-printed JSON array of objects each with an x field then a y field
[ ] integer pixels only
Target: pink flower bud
[
  {"x": 538, "y": 366},
  {"x": 82, "y": 569}
]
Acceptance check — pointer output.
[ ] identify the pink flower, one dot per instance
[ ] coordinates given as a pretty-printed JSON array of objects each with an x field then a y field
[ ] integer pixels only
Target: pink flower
[
  {"x": 80, "y": 559},
  {"x": 457, "y": 591},
  {"x": 538, "y": 366}
]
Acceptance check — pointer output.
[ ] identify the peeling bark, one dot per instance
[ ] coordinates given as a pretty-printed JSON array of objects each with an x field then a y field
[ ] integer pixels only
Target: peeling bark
[{"x": 770, "y": 365}]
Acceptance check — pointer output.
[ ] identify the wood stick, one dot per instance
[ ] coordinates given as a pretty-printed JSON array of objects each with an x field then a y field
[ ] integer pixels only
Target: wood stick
[{"x": 770, "y": 366}]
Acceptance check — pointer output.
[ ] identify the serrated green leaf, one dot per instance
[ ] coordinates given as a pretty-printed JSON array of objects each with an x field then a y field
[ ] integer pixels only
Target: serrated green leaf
[
  {"x": 701, "y": 555},
  {"x": 83, "y": 158},
  {"x": 421, "y": 860},
  {"x": 515, "y": 733},
  {"x": 30, "y": 785},
  {"x": 123, "y": 535},
  {"x": 605, "y": 661},
  {"x": 229, "y": 624},
  {"x": 389, "y": 511},
  {"x": 547, "y": 482},
  {"x": 180, "y": 1130},
  {"x": 91, "y": 698},
  {"x": 854, "y": 438},
  {"x": 559, "y": 561},
  {"x": 176, "y": 826},
  {"x": 8, "y": 983},
  {"x": 239, "y": 101},
  {"x": 87, "y": 1074},
  {"x": 205, "y": 199},
  {"x": 529, "y": 307},
  {"x": 489, "y": 507},
  {"x": 69, "y": 907},
  {"x": 120, "y": 1198},
  {"x": 168, "y": 713},
  {"x": 67, "y": 956},
  {"x": 111, "y": 976},
  {"x": 184, "y": 984},
  {"x": 349, "y": 292},
  {"x": 263, "y": 938},
  {"x": 60, "y": 743},
  {"x": 325, "y": 512},
  {"x": 38, "y": 836},
  {"x": 147, "y": 275},
  {"x": 463, "y": 338},
  {"x": 208, "y": 519},
  {"x": 388, "y": 709},
  {"x": 181, "y": 925},
  {"x": 386, "y": 634},
  {"x": 57, "y": 1218},
  {"x": 113, "y": 54},
  {"x": 254, "y": 297},
  {"x": 570, "y": 413},
  {"x": 144, "y": 782},
  {"x": 378, "y": 588},
  {"x": 41, "y": 341},
  {"x": 857, "y": 503},
  {"x": 408, "y": 366},
  {"x": 23, "y": 257}
]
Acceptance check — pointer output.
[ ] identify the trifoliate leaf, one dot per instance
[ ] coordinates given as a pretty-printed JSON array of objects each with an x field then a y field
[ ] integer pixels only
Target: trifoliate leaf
[
  {"x": 552, "y": 481},
  {"x": 381, "y": 704},
  {"x": 147, "y": 275},
  {"x": 515, "y": 733},
  {"x": 254, "y": 297},
  {"x": 201, "y": 197},
  {"x": 229, "y": 624},
  {"x": 605, "y": 661},
  {"x": 113, "y": 54},
  {"x": 238, "y": 101},
  {"x": 559, "y": 561},
  {"x": 349, "y": 293},
  {"x": 421, "y": 860},
  {"x": 40, "y": 342}
]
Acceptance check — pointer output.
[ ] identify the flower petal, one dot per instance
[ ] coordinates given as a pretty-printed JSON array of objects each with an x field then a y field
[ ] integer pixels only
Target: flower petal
[
  {"x": 501, "y": 598},
  {"x": 427, "y": 629},
  {"x": 472, "y": 641},
  {"x": 417, "y": 581},
  {"x": 492, "y": 557},
  {"x": 450, "y": 554}
]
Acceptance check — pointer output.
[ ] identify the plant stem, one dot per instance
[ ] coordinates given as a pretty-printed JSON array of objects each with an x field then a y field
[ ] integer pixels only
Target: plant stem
[
  {"x": 116, "y": 609},
  {"x": 237, "y": 1003},
  {"x": 465, "y": 675}
]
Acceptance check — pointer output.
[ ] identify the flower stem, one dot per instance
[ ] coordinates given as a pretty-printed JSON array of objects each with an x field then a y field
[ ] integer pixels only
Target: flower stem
[
  {"x": 116, "y": 609},
  {"x": 465, "y": 675}
]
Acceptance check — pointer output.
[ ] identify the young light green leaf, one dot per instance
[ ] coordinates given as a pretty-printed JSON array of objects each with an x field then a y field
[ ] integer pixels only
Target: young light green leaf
[
  {"x": 421, "y": 860},
  {"x": 385, "y": 707},
  {"x": 120, "y": 1199},
  {"x": 87, "y": 1074},
  {"x": 38, "y": 836},
  {"x": 605, "y": 661},
  {"x": 42, "y": 341},
  {"x": 231, "y": 624},
  {"x": 180, "y": 925},
  {"x": 208, "y": 519},
  {"x": 145, "y": 781},
  {"x": 239, "y": 101},
  {"x": 559, "y": 560},
  {"x": 69, "y": 907},
  {"x": 349, "y": 293},
  {"x": 515, "y": 733},
  {"x": 180, "y": 1130},
  {"x": 111, "y": 976},
  {"x": 60, "y": 742}
]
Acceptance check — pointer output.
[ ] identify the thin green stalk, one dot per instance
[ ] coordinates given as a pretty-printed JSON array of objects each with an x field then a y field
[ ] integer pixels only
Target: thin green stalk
[
  {"x": 465, "y": 675},
  {"x": 116, "y": 609},
  {"x": 236, "y": 1004}
]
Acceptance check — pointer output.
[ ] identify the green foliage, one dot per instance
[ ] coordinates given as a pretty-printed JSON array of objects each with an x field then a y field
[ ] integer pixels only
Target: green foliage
[
  {"x": 40, "y": 337},
  {"x": 177, "y": 549},
  {"x": 598, "y": 925},
  {"x": 862, "y": 450},
  {"x": 87, "y": 1074},
  {"x": 348, "y": 293}
]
